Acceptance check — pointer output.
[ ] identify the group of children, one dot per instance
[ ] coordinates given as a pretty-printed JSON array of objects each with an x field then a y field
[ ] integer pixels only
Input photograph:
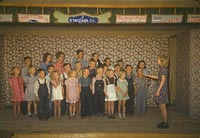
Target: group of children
[{"x": 85, "y": 88}]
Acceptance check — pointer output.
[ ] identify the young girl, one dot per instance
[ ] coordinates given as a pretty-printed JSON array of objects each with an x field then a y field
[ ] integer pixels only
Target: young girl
[
  {"x": 111, "y": 95},
  {"x": 29, "y": 93},
  {"x": 60, "y": 56},
  {"x": 27, "y": 64},
  {"x": 73, "y": 94},
  {"x": 161, "y": 94},
  {"x": 122, "y": 94},
  {"x": 17, "y": 86},
  {"x": 140, "y": 86},
  {"x": 57, "y": 93},
  {"x": 47, "y": 60}
]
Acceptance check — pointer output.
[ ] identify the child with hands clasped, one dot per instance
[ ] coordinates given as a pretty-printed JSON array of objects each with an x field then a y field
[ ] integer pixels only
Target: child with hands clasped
[
  {"x": 17, "y": 86},
  {"x": 72, "y": 92},
  {"x": 122, "y": 94},
  {"x": 57, "y": 93}
]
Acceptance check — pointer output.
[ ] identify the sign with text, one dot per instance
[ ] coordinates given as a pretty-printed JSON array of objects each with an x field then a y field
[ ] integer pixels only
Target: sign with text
[
  {"x": 131, "y": 19},
  {"x": 33, "y": 18},
  {"x": 167, "y": 18},
  {"x": 193, "y": 18},
  {"x": 82, "y": 18},
  {"x": 6, "y": 18}
]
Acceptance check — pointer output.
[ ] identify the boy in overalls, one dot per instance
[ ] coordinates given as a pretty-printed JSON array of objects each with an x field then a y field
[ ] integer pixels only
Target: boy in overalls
[{"x": 42, "y": 92}]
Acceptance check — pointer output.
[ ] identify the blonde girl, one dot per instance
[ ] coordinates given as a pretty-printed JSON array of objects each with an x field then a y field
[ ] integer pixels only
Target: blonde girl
[{"x": 57, "y": 93}]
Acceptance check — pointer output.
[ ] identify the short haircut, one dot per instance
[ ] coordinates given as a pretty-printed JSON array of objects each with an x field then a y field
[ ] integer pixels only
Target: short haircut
[
  {"x": 107, "y": 58},
  {"x": 92, "y": 60},
  {"x": 66, "y": 64},
  {"x": 141, "y": 62},
  {"x": 58, "y": 54},
  {"x": 49, "y": 66},
  {"x": 94, "y": 54},
  {"x": 116, "y": 65},
  {"x": 40, "y": 70},
  {"x": 128, "y": 65},
  {"x": 25, "y": 58},
  {"x": 78, "y": 62},
  {"x": 79, "y": 51},
  {"x": 120, "y": 60}
]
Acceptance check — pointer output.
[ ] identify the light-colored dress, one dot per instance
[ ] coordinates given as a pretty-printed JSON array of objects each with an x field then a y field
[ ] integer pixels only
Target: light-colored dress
[
  {"x": 57, "y": 92},
  {"x": 30, "y": 83},
  {"x": 111, "y": 92},
  {"x": 72, "y": 85},
  {"x": 123, "y": 85},
  {"x": 17, "y": 86}
]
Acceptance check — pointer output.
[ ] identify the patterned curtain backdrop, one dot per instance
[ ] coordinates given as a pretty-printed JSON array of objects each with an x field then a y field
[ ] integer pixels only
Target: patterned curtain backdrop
[{"x": 130, "y": 49}]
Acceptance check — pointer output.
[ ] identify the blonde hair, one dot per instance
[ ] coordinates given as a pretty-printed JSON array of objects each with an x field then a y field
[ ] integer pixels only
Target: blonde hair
[
  {"x": 70, "y": 73},
  {"x": 163, "y": 61},
  {"x": 122, "y": 72},
  {"x": 52, "y": 75},
  {"x": 13, "y": 70}
]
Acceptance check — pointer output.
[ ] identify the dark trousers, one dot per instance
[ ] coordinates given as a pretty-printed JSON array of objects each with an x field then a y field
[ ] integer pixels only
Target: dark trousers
[
  {"x": 130, "y": 103},
  {"x": 64, "y": 108},
  {"x": 86, "y": 102},
  {"x": 43, "y": 111},
  {"x": 99, "y": 102}
]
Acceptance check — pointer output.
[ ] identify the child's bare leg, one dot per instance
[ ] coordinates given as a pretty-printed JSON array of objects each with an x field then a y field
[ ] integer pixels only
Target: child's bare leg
[
  {"x": 74, "y": 109},
  {"x": 15, "y": 109},
  {"x": 29, "y": 107},
  {"x": 70, "y": 109},
  {"x": 164, "y": 112},
  {"x": 124, "y": 106},
  {"x": 55, "y": 108},
  {"x": 35, "y": 107},
  {"x": 59, "y": 108},
  {"x": 18, "y": 108},
  {"x": 108, "y": 108},
  {"x": 119, "y": 106},
  {"x": 112, "y": 107}
]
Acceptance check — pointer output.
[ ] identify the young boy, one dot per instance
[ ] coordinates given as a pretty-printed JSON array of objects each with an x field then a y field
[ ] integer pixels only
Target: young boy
[
  {"x": 92, "y": 70},
  {"x": 60, "y": 56},
  {"x": 130, "y": 101},
  {"x": 80, "y": 57},
  {"x": 64, "y": 77},
  {"x": 50, "y": 69},
  {"x": 86, "y": 95},
  {"x": 99, "y": 91},
  {"x": 121, "y": 64},
  {"x": 42, "y": 92}
]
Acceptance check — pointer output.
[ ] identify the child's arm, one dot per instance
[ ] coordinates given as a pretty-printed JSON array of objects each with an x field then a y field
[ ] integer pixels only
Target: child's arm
[
  {"x": 150, "y": 76},
  {"x": 105, "y": 90},
  {"x": 36, "y": 87},
  {"x": 135, "y": 88},
  {"x": 78, "y": 92},
  {"x": 67, "y": 92},
  {"x": 163, "y": 78},
  {"x": 79, "y": 87},
  {"x": 92, "y": 85}
]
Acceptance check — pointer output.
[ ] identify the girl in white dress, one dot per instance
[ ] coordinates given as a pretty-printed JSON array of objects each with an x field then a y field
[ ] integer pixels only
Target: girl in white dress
[
  {"x": 111, "y": 95},
  {"x": 57, "y": 93}
]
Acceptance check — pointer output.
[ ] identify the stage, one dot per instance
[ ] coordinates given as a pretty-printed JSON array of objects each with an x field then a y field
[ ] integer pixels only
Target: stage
[{"x": 132, "y": 126}]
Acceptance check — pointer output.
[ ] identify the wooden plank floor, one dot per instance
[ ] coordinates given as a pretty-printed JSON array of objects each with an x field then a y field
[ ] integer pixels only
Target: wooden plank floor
[{"x": 146, "y": 124}]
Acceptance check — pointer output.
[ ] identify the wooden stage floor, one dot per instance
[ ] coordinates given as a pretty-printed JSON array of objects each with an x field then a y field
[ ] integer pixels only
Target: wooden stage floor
[{"x": 179, "y": 125}]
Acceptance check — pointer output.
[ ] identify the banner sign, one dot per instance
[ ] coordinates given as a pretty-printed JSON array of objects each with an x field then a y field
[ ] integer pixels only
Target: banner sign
[
  {"x": 167, "y": 18},
  {"x": 82, "y": 18},
  {"x": 6, "y": 18},
  {"x": 131, "y": 18},
  {"x": 193, "y": 18},
  {"x": 33, "y": 18}
]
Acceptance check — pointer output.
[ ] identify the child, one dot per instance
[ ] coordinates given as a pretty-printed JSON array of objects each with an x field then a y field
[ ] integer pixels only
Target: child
[
  {"x": 17, "y": 86},
  {"x": 78, "y": 68},
  {"x": 80, "y": 57},
  {"x": 121, "y": 64},
  {"x": 122, "y": 94},
  {"x": 72, "y": 95},
  {"x": 29, "y": 93},
  {"x": 27, "y": 64},
  {"x": 99, "y": 91},
  {"x": 42, "y": 92},
  {"x": 140, "y": 86},
  {"x": 57, "y": 93},
  {"x": 95, "y": 56},
  {"x": 24, "y": 73},
  {"x": 64, "y": 77},
  {"x": 161, "y": 94},
  {"x": 111, "y": 95},
  {"x": 50, "y": 69},
  {"x": 107, "y": 61},
  {"x": 47, "y": 60},
  {"x": 92, "y": 68},
  {"x": 105, "y": 69},
  {"x": 130, "y": 101},
  {"x": 60, "y": 56},
  {"x": 86, "y": 95},
  {"x": 117, "y": 70}
]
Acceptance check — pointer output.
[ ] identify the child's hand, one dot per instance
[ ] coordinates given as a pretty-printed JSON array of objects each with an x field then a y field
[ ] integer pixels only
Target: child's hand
[{"x": 37, "y": 98}]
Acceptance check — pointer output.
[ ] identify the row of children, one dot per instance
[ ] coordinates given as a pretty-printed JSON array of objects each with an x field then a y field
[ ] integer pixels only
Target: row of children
[{"x": 89, "y": 89}]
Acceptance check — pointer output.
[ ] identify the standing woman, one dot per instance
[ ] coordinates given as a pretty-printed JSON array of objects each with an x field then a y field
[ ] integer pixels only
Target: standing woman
[
  {"x": 161, "y": 93},
  {"x": 142, "y": 65}
]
